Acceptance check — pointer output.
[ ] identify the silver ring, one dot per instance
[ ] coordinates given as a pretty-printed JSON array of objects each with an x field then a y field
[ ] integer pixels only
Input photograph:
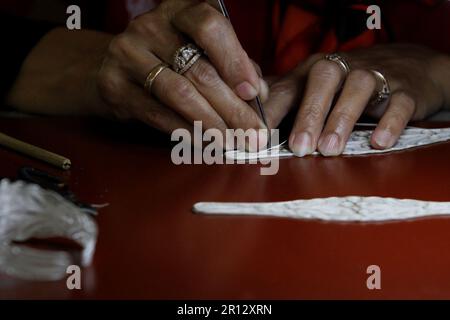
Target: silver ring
[
  {"x": 383, "y": 89},
  {"x": 340, "y": 61},
  {"x": 185, "y": 57}
]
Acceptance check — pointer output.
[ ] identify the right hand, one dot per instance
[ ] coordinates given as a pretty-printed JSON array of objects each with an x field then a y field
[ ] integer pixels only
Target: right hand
[{"x": 214, "y": 90}]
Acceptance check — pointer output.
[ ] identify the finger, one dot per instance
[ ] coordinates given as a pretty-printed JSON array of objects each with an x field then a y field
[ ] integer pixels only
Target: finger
[
  {"x": 257, "y": 68},
  {"x": 169, "y": 87},
  {"x": 204, "y": 77},
  {"x": 323, "y": 83},
  {"x": 129, "y": 101},
  {"x": 234, "y": 111},
  {"x": 155, "y": 32},
  {"x": 154, "y": 113},
  {"x": 263, "y": 85},
  {"x": 176, "y": 91},
  {"x": 215, "y": 34},
  {"x": 283, "y": 95},
  {"x": 264, "y": 90},
  {"x": 358, "y": 89},
  {"x": 400, "y": 110}
]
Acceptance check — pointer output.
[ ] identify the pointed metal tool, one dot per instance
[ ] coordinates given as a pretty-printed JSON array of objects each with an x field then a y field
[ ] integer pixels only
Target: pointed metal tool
[{"x": 220, "y": 5}]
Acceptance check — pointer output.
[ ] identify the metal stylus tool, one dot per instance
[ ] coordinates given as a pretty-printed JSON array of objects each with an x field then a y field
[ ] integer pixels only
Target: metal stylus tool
[{"x": 220, "y": 5}]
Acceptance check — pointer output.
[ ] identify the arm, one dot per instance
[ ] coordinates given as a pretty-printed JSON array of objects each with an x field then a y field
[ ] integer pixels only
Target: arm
[
  {"x": 59, "y": 74},
  {"x": 89, "y": 72}
]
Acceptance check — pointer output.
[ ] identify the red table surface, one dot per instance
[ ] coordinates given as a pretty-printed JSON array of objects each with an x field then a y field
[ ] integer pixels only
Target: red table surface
[{"x": 151, "y": 245}]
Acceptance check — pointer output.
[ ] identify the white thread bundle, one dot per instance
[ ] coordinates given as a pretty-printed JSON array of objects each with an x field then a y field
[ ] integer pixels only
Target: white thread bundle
[
  {"x": 28, "y": 211},
  {"x": 355, "y": 209}
]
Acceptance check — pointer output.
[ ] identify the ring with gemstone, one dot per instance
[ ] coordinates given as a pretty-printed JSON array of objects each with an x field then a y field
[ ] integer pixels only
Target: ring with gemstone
[{"x": 185, "y": 57}]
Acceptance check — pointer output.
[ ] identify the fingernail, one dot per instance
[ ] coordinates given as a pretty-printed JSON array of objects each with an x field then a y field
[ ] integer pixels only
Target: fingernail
[
  {"x": 246, "y": 91},
  {"x": 263, "y": 90},
  {"x": 301, "y": 144},
  {"x": 383, "y": 139},
  {"x": 329, "y": 146}
]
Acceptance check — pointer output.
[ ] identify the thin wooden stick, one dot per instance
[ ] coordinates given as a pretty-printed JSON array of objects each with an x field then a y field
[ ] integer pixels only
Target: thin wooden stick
[{"x": 34, "y": 152}]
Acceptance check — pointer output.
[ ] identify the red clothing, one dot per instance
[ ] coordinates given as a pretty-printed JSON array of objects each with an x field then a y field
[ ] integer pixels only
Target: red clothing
[
  {"x": 280, "y": 36},
  {"x": 279, "y": 42},
  {"x": 301, "y": 32}
]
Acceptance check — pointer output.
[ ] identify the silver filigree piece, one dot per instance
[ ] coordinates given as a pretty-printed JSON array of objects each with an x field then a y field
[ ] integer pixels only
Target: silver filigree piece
[
  {"x": 333, "y": 209},
  {"x": 358, "y": 144},
  {"x": 28, "y": 211}
]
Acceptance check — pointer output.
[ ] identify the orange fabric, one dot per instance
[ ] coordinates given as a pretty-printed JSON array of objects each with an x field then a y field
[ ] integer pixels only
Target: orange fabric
[
  {"x": 296, "y": 40},
  {"x": 302, "y": 33}
]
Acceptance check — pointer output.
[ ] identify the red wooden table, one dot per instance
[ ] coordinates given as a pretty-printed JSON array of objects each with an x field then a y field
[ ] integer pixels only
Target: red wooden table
[{"x": 151, "y": 245}]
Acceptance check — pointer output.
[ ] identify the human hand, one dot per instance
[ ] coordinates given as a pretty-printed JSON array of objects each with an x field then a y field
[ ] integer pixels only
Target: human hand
[
  {"x": 213, "y": 90},
  {"x": 332, "y": 103}
]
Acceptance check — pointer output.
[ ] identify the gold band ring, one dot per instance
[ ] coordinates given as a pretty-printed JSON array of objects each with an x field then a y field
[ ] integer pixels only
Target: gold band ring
[{"x": 154, "y": 73}]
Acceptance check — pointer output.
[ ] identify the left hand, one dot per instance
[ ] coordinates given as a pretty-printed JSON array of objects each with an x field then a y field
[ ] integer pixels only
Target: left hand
[{"x": 323, "y": 125}]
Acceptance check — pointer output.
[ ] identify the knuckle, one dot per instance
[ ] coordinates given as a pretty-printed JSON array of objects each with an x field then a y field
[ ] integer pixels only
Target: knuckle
[
  {"x": 236, "y": 117},
  {"x": 395, "y": 120},
  {"x": 310, "y": 62},
  {"x": 312, "y": 113},
  {"x": 167, "y": 9},
  {"x": 409, "y": 106},
  {"x": 109, "y": 86},
  {"x": 316, "y": 57},
  {"x": 344, "y": 117},
  {"x": 204, "y": 74},
  {"x": 136, "y": 25},
  {"x": 406, "y": 100},
  {"x": 182, "y": 89},
  {"x": 326, "y": 69},
  {"x": 145, "y": 25},
  {"x": 241, "y": 116},
  {"x": 120, "y": 46},
  {"x": 155, "y": 117},
  {"x": 237, "y": 63},
  {"x": 398, "y": 117},
  {"x": 282, "y": 88},
  {"x": 211, "y": 23},
  {"x": 362, "y": 78}
]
